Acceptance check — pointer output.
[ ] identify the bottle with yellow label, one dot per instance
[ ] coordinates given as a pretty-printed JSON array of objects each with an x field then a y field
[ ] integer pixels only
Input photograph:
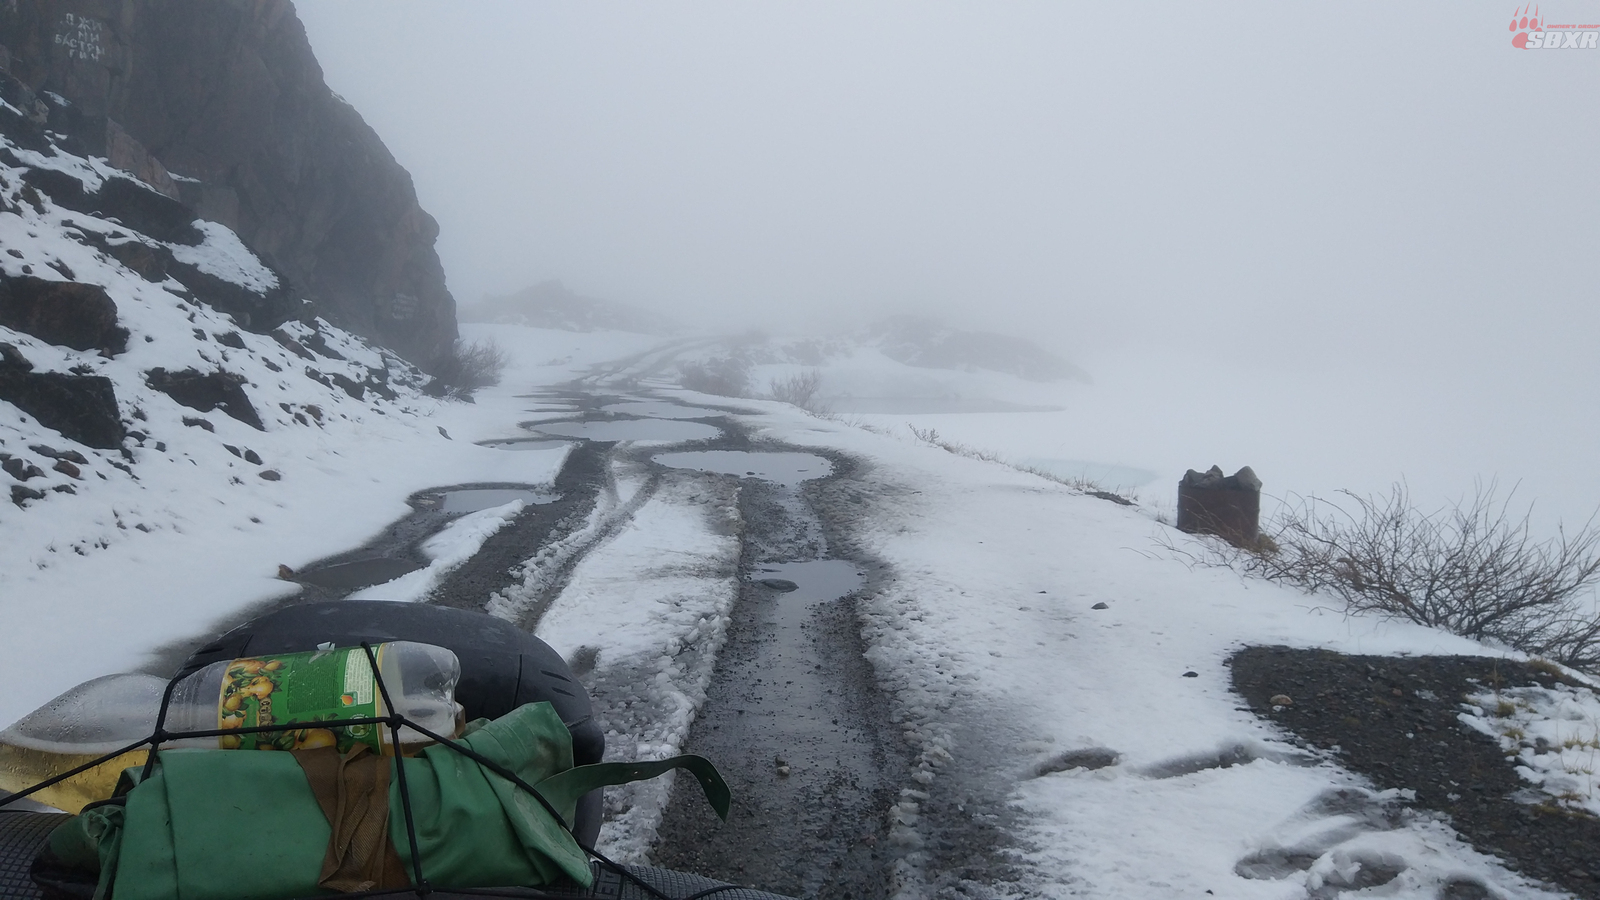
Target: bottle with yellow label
[
  {"x": 320, "y": 686},
  {"x": 111, "y": 712}
]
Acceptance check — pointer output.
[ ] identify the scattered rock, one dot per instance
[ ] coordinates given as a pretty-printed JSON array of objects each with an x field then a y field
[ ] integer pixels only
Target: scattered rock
[
  {"x": 68, "y": 469},
  {"x": 20, "y": 469},
  {"x": 1282, "y": 700},
  {"x": 270, "y": 475},
  {"x": 1191, "y": 674},
  {"x": 20, "y": 493},
  {"x": 198, "y": 422},
  {"x": 252, "y": 457},
  {"x": 782, "y": 585},
  {"x": 80, "y": 316},
  {"x": 284, "y": 572},
  {"x": 443, "y": 433},
  {"x": 71, "y": 456},
  {"x": 1101, "y": 605}
]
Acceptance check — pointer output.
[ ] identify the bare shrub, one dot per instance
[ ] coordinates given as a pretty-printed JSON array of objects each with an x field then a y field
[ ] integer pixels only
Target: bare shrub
[
  {"x": 727, "y": 376},
  {"x": 1474, "y": 569},
  {"x": 799, "y": 389},
  {"x": 468, "y": 367}
]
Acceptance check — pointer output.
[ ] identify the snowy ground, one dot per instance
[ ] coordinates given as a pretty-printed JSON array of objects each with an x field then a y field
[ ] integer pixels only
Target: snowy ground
[{"x": 1104, "y": 743}]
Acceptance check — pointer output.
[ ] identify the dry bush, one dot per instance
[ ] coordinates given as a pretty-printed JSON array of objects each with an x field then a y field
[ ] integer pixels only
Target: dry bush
[
  {"x": 1474, "y": 569},
  {"x": 727, "y": 376},
  {"x": 800, "y": 389},
  {"x": 467, "y": 367}
]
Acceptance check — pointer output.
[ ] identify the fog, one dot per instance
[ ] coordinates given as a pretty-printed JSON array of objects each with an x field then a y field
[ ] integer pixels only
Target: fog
[{"x": 1347, "y": 243}]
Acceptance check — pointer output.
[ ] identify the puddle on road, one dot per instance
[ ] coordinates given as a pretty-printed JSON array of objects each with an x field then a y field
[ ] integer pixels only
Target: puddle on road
[
  {"x": 476, "y": 499},
  {"x": 811, "y": 582},
  {"x": 659, "y": 409},
  {"x": 781, "y": 468},
  {"x": 358, "y": 573},
  {"x": 628, "y": 430},
  {"x": 524, "y": 444}
]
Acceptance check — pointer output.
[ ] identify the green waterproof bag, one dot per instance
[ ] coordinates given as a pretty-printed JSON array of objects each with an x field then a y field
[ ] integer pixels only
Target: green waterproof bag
[{"x": 246, "y": 825}]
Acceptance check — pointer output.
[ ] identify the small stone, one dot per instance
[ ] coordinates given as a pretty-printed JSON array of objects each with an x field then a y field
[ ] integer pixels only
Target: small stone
[
  {"x": 68, "y": 469},
  {"x": 197, "y": 422},
  {"x": 285, "y": 572},
  {"x": 1282, "y": 700},
  {"x": 1101, "y": 605},
  {"x": 783, "y": 771},
  {"x": 1191, "y": 674},
  {"x": 270, "y": 475},
  {"x": 442, "y": 433},
  {"x": 252, "y": 457},
  {"x": 782, "y": 585}
]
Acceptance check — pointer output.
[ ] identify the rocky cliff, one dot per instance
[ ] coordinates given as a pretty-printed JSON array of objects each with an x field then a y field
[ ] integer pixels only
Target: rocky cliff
[{"x": 220, "y": 105}]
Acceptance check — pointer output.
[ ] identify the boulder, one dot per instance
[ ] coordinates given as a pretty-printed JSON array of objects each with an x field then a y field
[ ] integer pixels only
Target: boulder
[
  {"x": 82, "y": 408},
  {"x": 206, "y": 391},
  {"x": 80, "y": 316}
]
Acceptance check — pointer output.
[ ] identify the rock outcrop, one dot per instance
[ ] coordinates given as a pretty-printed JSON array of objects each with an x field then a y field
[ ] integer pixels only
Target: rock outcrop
[{"x": 220, "y": 107}]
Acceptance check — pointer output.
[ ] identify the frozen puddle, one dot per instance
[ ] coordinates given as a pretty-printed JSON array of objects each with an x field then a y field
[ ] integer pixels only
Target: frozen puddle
[
  {"x": 811, "y": 582},
  {"x": 473, "y": 500},
  {"x": 628, "y": 430},
  {"x": 781, "y": 468},
  {"x": 524, "y": 444},
  {"x": 657, "y": 409}
]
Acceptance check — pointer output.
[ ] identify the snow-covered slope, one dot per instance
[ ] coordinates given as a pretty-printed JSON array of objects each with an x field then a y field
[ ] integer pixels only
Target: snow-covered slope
[{"x": 172, "y": 513}]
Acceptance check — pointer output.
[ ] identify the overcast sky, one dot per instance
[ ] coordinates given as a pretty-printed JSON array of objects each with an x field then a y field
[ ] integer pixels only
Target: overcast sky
[{"x": 1387, "y": 196}]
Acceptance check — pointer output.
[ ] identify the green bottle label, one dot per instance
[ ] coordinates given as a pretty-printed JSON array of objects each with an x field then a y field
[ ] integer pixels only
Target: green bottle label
[{"x": 320, "y": 686}]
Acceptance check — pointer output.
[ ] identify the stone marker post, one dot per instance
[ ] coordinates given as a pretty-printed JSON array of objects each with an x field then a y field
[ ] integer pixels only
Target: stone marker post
[{"x": 1226, "y": 506}]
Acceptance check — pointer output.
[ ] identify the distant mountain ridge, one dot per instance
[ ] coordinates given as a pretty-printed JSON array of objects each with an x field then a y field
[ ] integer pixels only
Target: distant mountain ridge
[
  {"x": 929, "y": 343},
  {"x": 551, "y": 304}
]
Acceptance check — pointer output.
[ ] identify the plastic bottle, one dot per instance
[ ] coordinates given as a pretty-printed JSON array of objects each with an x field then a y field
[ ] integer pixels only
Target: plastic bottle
[
  {"x": 89, "y": 721},
  {"x": 320, "y": 685}
]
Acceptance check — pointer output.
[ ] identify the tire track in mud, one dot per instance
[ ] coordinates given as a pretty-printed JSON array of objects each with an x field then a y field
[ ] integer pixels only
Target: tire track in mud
[{"x": 794, "y": 719}]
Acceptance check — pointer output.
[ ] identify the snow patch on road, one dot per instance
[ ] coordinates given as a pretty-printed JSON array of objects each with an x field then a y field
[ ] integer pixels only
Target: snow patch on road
[
  {"x": 655, "y": 600},
  {"x": 446, "y": 551}
]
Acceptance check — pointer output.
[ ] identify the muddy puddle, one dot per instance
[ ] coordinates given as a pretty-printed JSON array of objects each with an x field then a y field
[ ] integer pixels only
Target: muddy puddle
[
  {"x": 670, "y": 430},
  {"x": 396, "y": 551},
  {"x": 810, "y": 582},
  {"x": 358, "y": 573},
  {"x": 658, "y": 409},
  {"x": 524, "y": 444},
  {"x": 785, "y": 468},
  {"x": 475, "y": 499}
]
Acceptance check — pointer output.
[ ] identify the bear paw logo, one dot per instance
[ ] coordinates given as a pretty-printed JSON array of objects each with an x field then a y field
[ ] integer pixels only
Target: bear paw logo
[{"x": 1522, "y": 23}]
